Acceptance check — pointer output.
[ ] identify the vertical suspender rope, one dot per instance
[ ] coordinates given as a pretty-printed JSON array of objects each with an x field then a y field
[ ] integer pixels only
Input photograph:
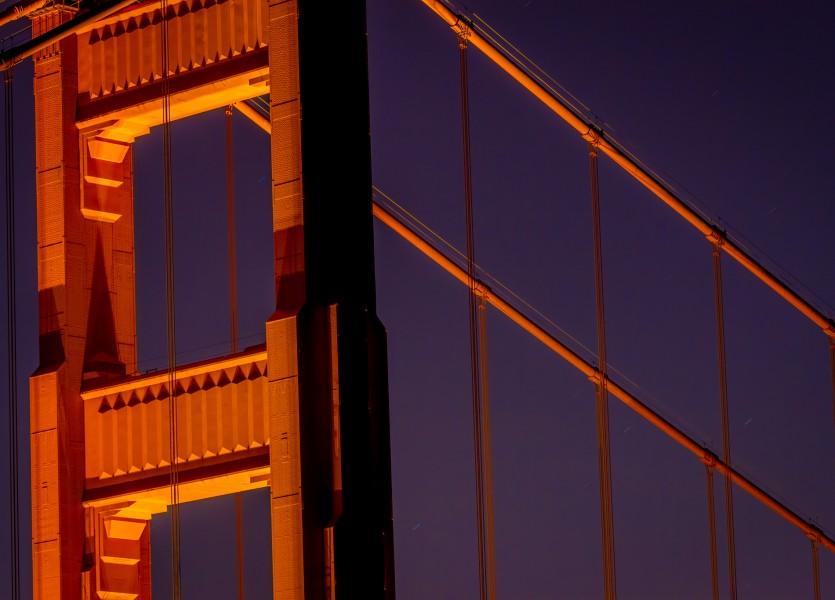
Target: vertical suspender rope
[
  {"x": 233, "y": 326},
  {"x": 711, "y": 516},
  {"x": 230, "y": 237},
  {"x": 832, "y": 370},
  {"x": 484, "y": 503},
  {"x": 816, "y": 571},
  {"x": 176, "y": 589},
  {"x": 602, "y": 404},
  {"x": 486, "y": 454},
  {"x": 723, "y": 398},
  {"x": 11, "y": 338}
]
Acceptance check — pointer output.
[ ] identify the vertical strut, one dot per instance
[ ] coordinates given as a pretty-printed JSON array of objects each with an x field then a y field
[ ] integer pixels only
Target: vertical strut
[
  {"x": 11, "y": 339},
  {"x": 478, "y": 359},
  {"x": 602, "y": 397},
  {"x": 723, "y": 398}
]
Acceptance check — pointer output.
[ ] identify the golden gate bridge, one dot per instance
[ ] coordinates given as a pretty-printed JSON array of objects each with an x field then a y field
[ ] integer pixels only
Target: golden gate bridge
[{"x": 550, "y": 334}]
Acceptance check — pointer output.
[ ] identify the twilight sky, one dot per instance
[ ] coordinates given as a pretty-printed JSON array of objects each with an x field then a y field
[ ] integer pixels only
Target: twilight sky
[{"x": 732, "y": 103}]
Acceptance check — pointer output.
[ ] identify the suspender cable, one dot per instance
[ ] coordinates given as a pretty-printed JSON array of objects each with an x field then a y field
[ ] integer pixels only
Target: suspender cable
[
  {"x": 486, "y": 566},
  {"x": 711, "y": 517},
  {"x": 176, "y": 590},
  {"x": 233, "y": 325},
  {"x": 485, "y": 440},
  {"x": 239, "y": 544},
  {"x": 230, "y": 237},
  {"x": 832, "y": 371},
  {"x": 602, "y": 397},
  {"x": 723, "y": 398},
  {"x": 11, "y": 339},
  {"x": 816, "y": 572}
]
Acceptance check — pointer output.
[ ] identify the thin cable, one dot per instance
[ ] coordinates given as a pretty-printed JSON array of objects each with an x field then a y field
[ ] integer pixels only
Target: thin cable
[
  {"x": 832, "y": 371},
  {"x": 486, "y": 453},
  {"x": 723, "y": 399},
  {"x": 176, "y": 588},
  {"x": 484, "y": 552},
  {"x": 11, "y": 340},
  {"x": 602, "y": 397},
  {"x": 711, "y": 516},
  {"x": 230, "y": 233},
  {"x": 239, "y": 544},
  {"x": 233, "y": 325},
  {"x": 816, "y": 572}
]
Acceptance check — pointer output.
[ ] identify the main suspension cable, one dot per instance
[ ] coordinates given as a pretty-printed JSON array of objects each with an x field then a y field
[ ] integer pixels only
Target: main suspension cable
[
  {"x": 486, "y": 563},
  {"x": 176, "y": 588},
  {"x": 602, "y": 396},
  {"x": 640, "y": 407},
  {"x": 723, "y": 400},
  {"x": 11, "y": 339}
]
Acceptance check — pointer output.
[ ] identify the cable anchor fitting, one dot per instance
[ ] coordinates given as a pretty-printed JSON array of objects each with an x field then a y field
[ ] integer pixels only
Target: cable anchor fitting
[
  {"x": 717, "y": 237},
  {"x": 481, "y": 289},
  {"x": 709, "y": 459},
  {"x": 597, "y": 377},
  {"x": 463, "y": 28},
  {"x": 814, "y": 534},
  {"x": 594, "y": 136}
]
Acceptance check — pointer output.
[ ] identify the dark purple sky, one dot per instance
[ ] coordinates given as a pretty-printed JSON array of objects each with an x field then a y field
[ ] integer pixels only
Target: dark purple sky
[{"x": 733, "y": 104}]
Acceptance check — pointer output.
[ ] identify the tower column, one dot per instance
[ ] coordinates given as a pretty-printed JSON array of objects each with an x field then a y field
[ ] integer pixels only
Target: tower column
[
  {"x": 332, "y": 517},
  {"x": 86, "y": 306}
]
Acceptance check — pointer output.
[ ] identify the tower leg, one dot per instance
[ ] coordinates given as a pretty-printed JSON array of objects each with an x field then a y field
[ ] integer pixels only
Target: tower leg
[
  {"x": 332, "y": 519},
  {"x": 86, "y": 307}
]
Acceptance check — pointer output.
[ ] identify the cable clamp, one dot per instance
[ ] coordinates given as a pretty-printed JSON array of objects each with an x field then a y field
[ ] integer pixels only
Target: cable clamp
[
  {"x": 464, "y": 28},
  {"x": 709, "y": 459},
  {"x": 814, "y": 534},
  {"x": 717, "y": 237},
  {"x": 597, "y": 377},
  {"x": 830, "y": 332},
  {"x": 481, "y": 289},
  {"x": 593, "y": 136}
]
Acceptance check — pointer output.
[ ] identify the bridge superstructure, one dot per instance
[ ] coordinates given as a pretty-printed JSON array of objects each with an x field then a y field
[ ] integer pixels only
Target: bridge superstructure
[
  {"x": 111, "y": 447},
  {"x": 227, "y": 415}
]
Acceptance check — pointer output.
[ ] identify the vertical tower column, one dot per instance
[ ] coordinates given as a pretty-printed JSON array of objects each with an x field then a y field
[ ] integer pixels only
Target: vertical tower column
[
  {"x": 329, "y": 437},
  {"x": 86, "y": 307},
  {"x": 282, "y": 338}
]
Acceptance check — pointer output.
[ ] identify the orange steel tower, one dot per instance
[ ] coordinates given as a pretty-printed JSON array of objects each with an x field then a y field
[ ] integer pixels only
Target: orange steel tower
[{"x": 307, "y": 415}]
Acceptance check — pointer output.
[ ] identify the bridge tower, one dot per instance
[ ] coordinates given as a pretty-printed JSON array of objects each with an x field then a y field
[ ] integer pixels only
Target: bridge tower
[{"x": 306, "y": 415}]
